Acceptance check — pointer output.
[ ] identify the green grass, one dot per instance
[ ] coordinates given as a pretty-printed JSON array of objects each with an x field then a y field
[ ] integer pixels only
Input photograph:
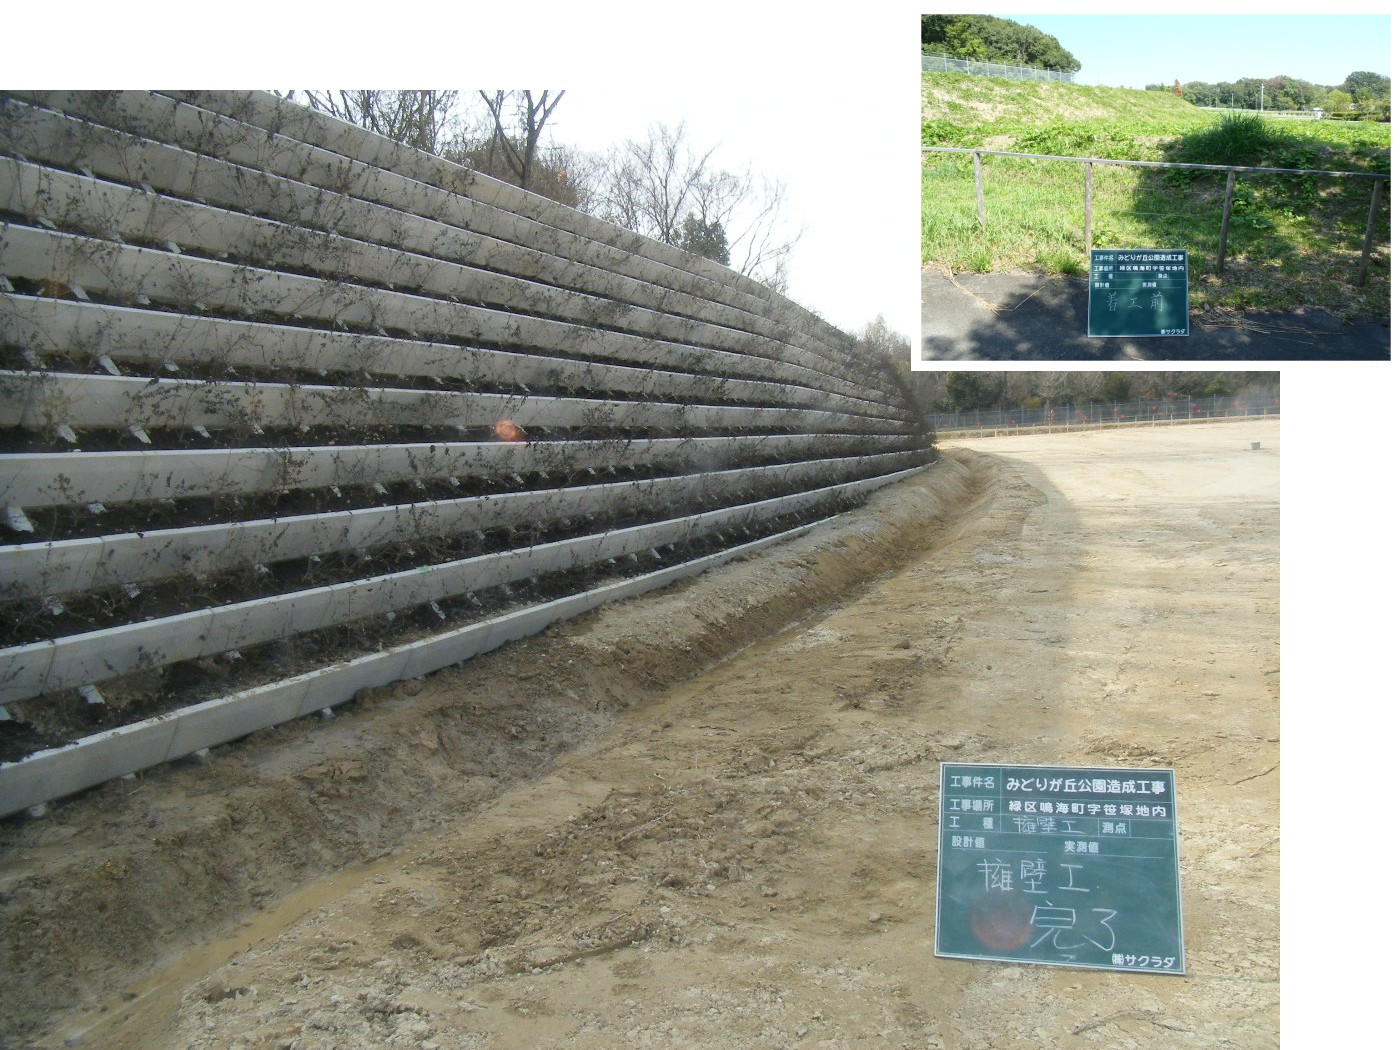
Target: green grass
[{"x": 1293, "y": 239}]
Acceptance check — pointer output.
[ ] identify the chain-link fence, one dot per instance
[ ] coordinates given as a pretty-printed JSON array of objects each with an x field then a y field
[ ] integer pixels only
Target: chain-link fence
[
  {"x": 1141, "y": 411},
  {"x": 944, "y": 64}
]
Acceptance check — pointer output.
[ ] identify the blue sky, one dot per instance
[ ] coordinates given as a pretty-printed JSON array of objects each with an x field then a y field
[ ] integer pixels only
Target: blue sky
[{"x": 1137, "y": 50}]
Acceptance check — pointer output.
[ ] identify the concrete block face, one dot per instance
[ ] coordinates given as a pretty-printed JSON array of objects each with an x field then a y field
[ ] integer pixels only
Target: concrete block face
[{"x": 276, "y": 390}]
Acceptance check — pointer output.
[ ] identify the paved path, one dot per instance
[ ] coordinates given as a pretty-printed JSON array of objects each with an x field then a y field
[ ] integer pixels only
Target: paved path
[{"x": 1029, "y": 317}]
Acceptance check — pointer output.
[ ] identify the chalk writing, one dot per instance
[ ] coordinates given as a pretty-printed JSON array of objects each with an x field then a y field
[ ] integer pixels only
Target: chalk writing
[
  {"x": 1140, "y": 292},
  {"x": 1064, "y": 866}
]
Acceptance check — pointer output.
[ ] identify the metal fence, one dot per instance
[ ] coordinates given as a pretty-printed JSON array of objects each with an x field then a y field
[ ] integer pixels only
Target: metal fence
[
  {"x": 1382, "y": 115},
  {"x": 1378, "y": 182},
  {"x": 1085, "y": 416},
  {"x": 944, "y": 64}
]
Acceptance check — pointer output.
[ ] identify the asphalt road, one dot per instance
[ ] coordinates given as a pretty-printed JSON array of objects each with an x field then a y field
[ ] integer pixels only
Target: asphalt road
[{"x": 1031, "y": 317}]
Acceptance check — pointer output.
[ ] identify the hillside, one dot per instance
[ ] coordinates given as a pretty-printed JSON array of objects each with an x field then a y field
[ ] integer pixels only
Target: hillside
[
  {"x": 993, "y": 106},
  {"x": 1293, "y": 239}
]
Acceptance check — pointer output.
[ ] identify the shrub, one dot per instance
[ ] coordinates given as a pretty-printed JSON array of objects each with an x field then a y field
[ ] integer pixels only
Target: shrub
[
  {"x": 1242, "y": 139},
  {"x": 1080, "y": 139},
  {"x": 943, "y": 133}
]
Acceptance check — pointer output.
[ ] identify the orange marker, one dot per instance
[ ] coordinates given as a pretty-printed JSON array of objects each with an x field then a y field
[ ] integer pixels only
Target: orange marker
[{"x": 505, "y": 430}]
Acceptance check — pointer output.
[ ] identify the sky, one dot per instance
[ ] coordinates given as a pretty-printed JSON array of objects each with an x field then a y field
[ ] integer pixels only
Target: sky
[
  {"x": 852, "y": 261},
  {"x": 1131, "y": 50},
  {"x": 825, "y": 104},
  {"x": 818, "y": 107}
]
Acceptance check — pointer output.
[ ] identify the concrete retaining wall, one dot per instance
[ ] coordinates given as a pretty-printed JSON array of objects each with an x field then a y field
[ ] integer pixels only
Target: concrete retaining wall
[{"x": 289, "y": 408}]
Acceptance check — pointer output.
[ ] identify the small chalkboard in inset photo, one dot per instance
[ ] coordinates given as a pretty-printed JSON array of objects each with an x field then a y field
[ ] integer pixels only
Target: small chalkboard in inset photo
[
  {"x": 1060, "y": 865},
  {"x": 1137, "y": 292}
]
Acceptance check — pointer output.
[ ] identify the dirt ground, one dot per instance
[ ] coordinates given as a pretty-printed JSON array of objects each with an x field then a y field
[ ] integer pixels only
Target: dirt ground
[{"x": 625, "y": 833}]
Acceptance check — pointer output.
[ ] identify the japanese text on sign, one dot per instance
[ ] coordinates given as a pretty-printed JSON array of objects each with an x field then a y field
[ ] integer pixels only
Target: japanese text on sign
[
  {"x": 1059, "y": 865},
  {"x": 1142, "y": 292}
]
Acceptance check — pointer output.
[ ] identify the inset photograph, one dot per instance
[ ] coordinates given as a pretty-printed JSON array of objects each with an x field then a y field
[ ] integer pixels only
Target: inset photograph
[{"x": 1157, "y": 188}]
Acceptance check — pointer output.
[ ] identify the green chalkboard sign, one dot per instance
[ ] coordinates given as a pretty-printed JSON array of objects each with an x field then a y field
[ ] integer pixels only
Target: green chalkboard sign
[
  {"x": 1060, "y": 865},
  {"x": 1138, "y": 292}
]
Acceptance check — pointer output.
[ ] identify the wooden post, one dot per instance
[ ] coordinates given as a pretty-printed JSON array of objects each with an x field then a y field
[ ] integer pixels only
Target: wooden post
[
  {"x": 1088, "y": 205},
  {"x": 977, "y": 177},
  {"x": 1370, "y": 231},
  {"x": 1225, "y": 222}
]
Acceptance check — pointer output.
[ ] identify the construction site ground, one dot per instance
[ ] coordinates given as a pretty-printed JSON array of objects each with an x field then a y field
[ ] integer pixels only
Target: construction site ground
[{"x": 708, "y": 817}]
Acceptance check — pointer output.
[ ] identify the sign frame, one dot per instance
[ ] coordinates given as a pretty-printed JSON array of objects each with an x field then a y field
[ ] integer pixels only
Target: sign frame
[
  {"x": 1161, "y": 276},
  {"x": 1037, "y": 865}
]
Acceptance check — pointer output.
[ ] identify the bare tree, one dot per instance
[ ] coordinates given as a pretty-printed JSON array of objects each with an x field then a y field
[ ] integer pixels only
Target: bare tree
[
  {"x": 891, "y": 351},
  {"x": 648, "y": 186},
  {"x": 509, "y": 145},
  {"x": 421, "y": 119},
  {"x": 751, "y": 209},
  {"x": 518, "y": 145},
  {"x": 655, "y": 185},
  {"x": 506, "y": 142}
]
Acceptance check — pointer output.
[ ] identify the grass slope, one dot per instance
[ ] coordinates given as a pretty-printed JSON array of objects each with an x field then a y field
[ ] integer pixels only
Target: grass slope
[
  {"x": 995, "y": 107},
  {"x": 1293, "y": 239}
]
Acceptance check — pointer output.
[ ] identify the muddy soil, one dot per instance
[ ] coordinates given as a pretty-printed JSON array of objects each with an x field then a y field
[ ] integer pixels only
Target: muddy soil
[{"x": 626, "y": 833}]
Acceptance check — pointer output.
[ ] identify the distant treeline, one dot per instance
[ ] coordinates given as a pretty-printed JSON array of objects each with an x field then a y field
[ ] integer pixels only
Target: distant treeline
[
  {"x": 1361, "y": 92},
  {"x": 984, "y": 38}
]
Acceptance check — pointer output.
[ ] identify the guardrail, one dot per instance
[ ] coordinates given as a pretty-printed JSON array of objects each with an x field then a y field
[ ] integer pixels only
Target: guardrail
[
  {"x": 290, "y": 409},
  {"x": 1378, "y": 181}
]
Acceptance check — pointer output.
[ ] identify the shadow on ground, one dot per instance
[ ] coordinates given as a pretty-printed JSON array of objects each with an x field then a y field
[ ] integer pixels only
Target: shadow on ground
[{"x": 1033, "y": 317}]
